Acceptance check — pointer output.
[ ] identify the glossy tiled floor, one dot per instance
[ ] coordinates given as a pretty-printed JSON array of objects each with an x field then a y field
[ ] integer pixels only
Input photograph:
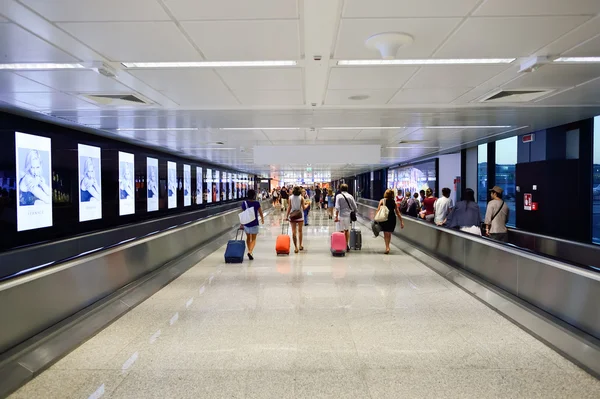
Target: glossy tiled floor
[{"x": 312, "y": 326}]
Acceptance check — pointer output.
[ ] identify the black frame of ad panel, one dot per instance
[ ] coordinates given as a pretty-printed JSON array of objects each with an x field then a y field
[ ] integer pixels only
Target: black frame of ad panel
[{"x": 65, "y": 182}]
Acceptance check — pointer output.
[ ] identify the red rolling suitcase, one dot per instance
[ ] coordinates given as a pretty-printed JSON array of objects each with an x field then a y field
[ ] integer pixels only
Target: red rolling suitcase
[
  {"x": 338, "y": 244},
  {"x": 282, "y": 245}
]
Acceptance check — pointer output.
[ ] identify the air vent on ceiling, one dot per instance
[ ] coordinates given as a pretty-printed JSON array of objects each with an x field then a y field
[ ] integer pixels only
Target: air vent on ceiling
[
  {"x": 117, "y": 99},
  {"x": 515, "y": 96}
]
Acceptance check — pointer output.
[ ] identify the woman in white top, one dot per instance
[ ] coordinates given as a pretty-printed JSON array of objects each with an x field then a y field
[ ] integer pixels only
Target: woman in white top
[{"x": 295, "y": 215}]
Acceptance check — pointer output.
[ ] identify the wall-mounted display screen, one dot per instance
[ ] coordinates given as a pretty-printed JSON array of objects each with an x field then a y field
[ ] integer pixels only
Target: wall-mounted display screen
[
  {"x": 209, "y": 186},
  {"x": 216, "y": 186},
  {"x": 199, "y": 186},
  {"x": 187, "y": 185},
  {"x": 34, "y": 171},
  {"x": 126, "y": 184},
  {"x": 172, "y": 184},
  {"x": 236, "y": 186},
  {"x": 90, "y": 183},
  {"x": 223, "y": 186},
  {"x": 230, "y": 186},
  {"x": 152, "y": 173}
]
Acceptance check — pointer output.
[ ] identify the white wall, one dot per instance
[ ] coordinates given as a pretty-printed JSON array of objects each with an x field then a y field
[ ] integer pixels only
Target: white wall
[
  {"x": 472, "y": 167},
  {"x": 449, "y": 170}
]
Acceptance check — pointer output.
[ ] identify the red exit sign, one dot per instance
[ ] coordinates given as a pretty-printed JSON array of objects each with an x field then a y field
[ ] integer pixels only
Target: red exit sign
[{"x": 528, "y": 138}]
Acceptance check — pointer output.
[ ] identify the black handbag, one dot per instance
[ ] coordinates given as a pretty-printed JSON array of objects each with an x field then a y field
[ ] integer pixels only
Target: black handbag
[{"x": 352, "y": 213}]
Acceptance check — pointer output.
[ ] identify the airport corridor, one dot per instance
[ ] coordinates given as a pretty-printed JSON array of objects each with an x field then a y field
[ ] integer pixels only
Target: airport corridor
[{"x": 308, "y": 325}]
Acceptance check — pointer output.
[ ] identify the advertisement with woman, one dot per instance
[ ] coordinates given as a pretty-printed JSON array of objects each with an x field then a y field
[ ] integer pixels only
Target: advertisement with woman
[
  {"x": 187, "y": 185},
  {"x": 34, "y": 171},
  {"x": 223, "y": 186},
  {"x": 172, "y": 184},
  {"x": 126, "y": 184},
  {"x": 230, "y": 186},
  {"x": 216, "y": 188},
  {"x": 199, "y": 185},
  {"x": 152, "y": 179},
  {"x": 209, "y": 188},
  {"x": 90, "y": 183}
]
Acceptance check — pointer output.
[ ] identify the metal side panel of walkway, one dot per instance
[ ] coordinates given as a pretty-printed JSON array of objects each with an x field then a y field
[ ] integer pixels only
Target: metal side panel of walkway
[{"x": 308, "y": 325}]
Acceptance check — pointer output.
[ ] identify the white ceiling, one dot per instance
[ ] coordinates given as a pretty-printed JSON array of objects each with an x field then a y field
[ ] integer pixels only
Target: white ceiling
[{"x": 115, "y": 31}]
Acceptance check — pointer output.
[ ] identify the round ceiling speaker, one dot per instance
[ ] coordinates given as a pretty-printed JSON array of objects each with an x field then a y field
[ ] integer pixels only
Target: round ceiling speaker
[{"x": 389, "y": 43}]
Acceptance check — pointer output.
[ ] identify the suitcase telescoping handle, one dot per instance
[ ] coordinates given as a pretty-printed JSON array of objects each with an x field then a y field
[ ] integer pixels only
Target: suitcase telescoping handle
[
  {"x": 236, "y": 233},
  {"x": 287, "y": 230}
]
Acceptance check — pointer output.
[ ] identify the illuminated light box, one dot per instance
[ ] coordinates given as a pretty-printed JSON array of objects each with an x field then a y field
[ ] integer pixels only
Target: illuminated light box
[{"x": 90, "y": 183}]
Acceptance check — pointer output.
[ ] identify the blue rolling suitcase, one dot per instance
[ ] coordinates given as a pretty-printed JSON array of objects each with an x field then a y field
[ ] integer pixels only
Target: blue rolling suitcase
[{"x": 235, "y": 249}]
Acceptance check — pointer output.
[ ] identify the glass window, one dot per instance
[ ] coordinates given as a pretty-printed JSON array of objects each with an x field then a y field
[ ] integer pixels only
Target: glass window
[
  {"x": 506, "y": 161},
  {"x": 596, "y": 183},
  {"x": 482, "y": 177}
]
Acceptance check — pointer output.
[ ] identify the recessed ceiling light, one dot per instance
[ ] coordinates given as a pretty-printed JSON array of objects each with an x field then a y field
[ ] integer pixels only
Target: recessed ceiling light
[
  {"x": 361, "y": 127},
  {"x": 577, "y": 59},
  {"x": 155, "y": 129},
  {"x": 209, "y": 64},
  {"x": 429, "y": 61},
  {"x": 259, "y": 128},
  {"x": 40, "y": 66},
  {"x": 359, "y": 97}
]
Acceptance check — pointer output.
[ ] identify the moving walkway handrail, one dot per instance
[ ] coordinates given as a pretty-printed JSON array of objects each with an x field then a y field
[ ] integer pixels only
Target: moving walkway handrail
[{"x": 554, "y": 261}]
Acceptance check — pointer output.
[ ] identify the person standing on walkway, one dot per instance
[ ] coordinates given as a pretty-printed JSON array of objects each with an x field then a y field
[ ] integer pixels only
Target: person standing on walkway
[
  {"x": 442, "y": 207},
  {"x": 466, "y": 216},
  {"x": 295, "y": 215},
  {"x": 251, "y": 228},
  {"x": 344, "y": 206},
  {"x": 389, "y": 225},
  {"x": 496, "y": 216},
  {"x": 306, "y": 200},
  {"x": 428, "y": 203}
]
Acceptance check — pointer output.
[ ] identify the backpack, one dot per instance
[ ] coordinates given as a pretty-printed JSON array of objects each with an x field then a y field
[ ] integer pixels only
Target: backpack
[
  {"x": 404, "y": 205},
  {"x": 412, "y": 208}
]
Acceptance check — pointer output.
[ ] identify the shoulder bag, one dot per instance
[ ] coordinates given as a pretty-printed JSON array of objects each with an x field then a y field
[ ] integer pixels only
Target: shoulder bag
[
  {"x": 297, "y": 214},
  {"x": 352, "y": 212},
  {"x": 383, "y": 213},
  {"x": 248, "y": 215}
]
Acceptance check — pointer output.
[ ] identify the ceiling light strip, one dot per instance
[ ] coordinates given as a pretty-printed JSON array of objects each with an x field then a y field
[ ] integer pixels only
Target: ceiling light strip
[
  {"x": 210, "y": 64},
  {"x": 361, "y": 128},
  {"x": 156, "y": 129},
  {"x": 260, "y": 128},
  {"x": 578, "y": 59},
  {"x": 457, "y": 61},
  {"x": 39, "y": 66},
  {"x": 465, "y": 127}
]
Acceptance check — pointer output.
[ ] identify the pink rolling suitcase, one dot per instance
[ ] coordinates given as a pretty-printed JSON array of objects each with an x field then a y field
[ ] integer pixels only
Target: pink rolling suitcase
[{"x": 338, "y": 244}]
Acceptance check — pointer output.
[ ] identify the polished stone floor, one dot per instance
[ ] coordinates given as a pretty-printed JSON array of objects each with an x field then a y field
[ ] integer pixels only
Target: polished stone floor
[{"x": 312, "y": 326}]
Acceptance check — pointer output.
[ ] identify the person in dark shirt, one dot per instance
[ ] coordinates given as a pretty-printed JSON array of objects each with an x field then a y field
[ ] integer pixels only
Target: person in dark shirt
[
  {"x": 318, "y": 197},
  {"x": 284, "y": 198}
]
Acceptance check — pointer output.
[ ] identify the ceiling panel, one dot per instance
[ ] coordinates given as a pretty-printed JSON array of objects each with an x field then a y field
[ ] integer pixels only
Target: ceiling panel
[
  {"x": 556, "y": 76},
  {"x": 49, "y": 101},
  {"x": 506, "y": 37},
  {"x": 232, "y": 9},
  {"x": 428, "y": 96},
  {"x": 2, "y": 19},
  {"x": 369, "y": 77},
  {"x": 246, "y": 40},
  {"x": 428, "y": 35},
  {"x": 13, "y": 83},
  {"x": 94, "y": 10},
  {"x": 453, "y": 76},
  {"x": 200, "y": 87},
  {"x": 407, "y": 8},
  {"x": 76, "y": 81},
  {"x": 586, "y": 94},
  {"x": 270, "y": 97},
  {"x": 574, "y": 38},
  {"x": 538, "y": 7},
  {"x": 286, "y": 135},
  {"x": 262, "y": 78},
  {"x": 135, "y": 41},
  {"x": 341, "y": 97},
  {"x": 18, "y": 45},
  {"x": 346, "y": 135},
  {"x": 591, "y": 48}
]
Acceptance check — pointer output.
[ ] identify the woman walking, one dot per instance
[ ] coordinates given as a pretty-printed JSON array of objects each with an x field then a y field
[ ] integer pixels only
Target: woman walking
[
  {"x": 251, "y": 228},
  {"x": 307, "y": 203},
  {"x": 295, "y": 215},
  {"x": 330, "y": 203},
  {"x": 389, "y": 225}
]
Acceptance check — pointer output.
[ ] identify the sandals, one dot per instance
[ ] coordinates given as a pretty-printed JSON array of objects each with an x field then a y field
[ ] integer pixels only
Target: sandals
[
  {"x": 301, "y": 248},
  {"x": 386, "y": 252},
  {"x": 296, "y": 250}
]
